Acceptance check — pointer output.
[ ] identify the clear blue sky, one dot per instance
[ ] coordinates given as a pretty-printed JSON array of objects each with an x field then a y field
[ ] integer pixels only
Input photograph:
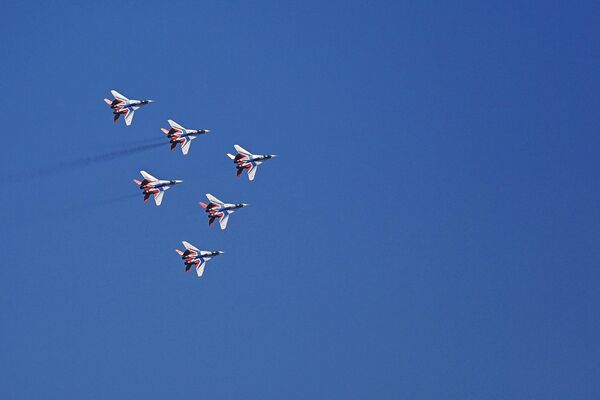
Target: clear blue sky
[{"x": 430, "y": 229}]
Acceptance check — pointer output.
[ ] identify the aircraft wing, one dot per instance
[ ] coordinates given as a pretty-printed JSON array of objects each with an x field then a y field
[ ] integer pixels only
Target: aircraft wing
[
  {"x": 175, "y": 125},
  {"x": 241, "y": 150},
  {"x": 129, "y": 117},
  {"x": 118, "y": 96},
  {"x": 213, "y": 199},
  {"x": 200, "y": 268},
  {"x": 186, "y": 146},
  {"x": 189, "y": 246},
  {"x": 148, "y": 177},
  {"x": 223, "y": 221},
  {"x": 252, "y": 172},
  {"x": 158, "y": 197}
]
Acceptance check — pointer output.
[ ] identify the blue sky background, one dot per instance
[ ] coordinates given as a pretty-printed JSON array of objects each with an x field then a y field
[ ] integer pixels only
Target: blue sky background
[{"x": 430, "y": 229}]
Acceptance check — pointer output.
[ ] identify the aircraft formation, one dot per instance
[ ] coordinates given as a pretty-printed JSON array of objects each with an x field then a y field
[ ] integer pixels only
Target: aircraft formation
[{"x": 153, "y": 187}]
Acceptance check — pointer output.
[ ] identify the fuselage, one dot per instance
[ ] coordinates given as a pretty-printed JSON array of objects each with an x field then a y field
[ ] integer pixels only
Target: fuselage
[
  {"x": 176, "y": 133},
  {"x": 215, "y": 210},
  {"x": 194, "y": 257},
  {"x": 244, "y": 161},
  {"x": 157, "y": 184},
  {"x": 120, "y": 106}
]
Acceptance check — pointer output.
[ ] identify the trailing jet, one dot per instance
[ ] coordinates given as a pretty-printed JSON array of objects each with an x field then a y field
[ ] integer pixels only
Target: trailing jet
[
  {"x": 194, "y": 256},
  {"x": 217, "y": 209},
  {"x": 153, "y": 186},
  {"x": 246, "y": 160},
  {"x": 179, "y": 134},
  {"x": 122, "y": 105}
]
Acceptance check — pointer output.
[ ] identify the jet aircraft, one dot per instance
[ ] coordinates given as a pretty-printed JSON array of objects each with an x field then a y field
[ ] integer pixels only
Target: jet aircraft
[
  {"x": 194, "y": 256},
  {"x": 179, "y": 134},
  {"x": 217, "y": 209},
  {"x": 248, "y": 161},
  {"x": 153, "y": 186},
  {"x": 123, "y": 105}
]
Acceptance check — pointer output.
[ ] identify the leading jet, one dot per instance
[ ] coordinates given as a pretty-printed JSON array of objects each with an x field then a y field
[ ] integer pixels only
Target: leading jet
[
  {"x": 196, "y": 257},
  {"x": 179, "y": 134},
  {"x": 152, "y": 186},
  {"x": 245, "y": 160},
  {"x": 217, "y": 209},
  {"x": 123, "y": 105}
]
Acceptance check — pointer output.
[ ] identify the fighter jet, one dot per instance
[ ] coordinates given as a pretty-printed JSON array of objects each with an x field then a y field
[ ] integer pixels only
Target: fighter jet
[
  {"x": 217, "y": 209},
  {"x": 122, "y": 105},
  {"x": 153, "y": 186},
  {"x": 179, "y": 134},
  {"x": 194, "y": 256},
  {"x": 246, "y": 160}
]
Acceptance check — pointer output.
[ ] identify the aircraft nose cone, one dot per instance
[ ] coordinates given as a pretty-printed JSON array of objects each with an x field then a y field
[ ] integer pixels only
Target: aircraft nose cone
[
  {"x": 150, "y": 101},
  {"x": 245, "y": 205},
  {"x": 221, "y": 252},
  {"x": 273, "y": 155}
]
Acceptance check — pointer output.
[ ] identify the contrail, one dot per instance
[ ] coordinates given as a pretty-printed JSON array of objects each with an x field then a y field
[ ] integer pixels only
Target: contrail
[
  {"x": 146, "y": 141},
  {"x": 116, "y": 199},
  {"x": 87, "y": 161},
  {"x": 90, "y": 204}
]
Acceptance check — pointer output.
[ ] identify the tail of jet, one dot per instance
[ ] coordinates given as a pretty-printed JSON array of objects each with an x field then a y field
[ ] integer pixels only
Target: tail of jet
[
  {"x": 203, "y": 204},
  {"x": 231, "y": 156},
  {"x": 107, "y": 101},
  {"x": 179, "y": 252}
]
